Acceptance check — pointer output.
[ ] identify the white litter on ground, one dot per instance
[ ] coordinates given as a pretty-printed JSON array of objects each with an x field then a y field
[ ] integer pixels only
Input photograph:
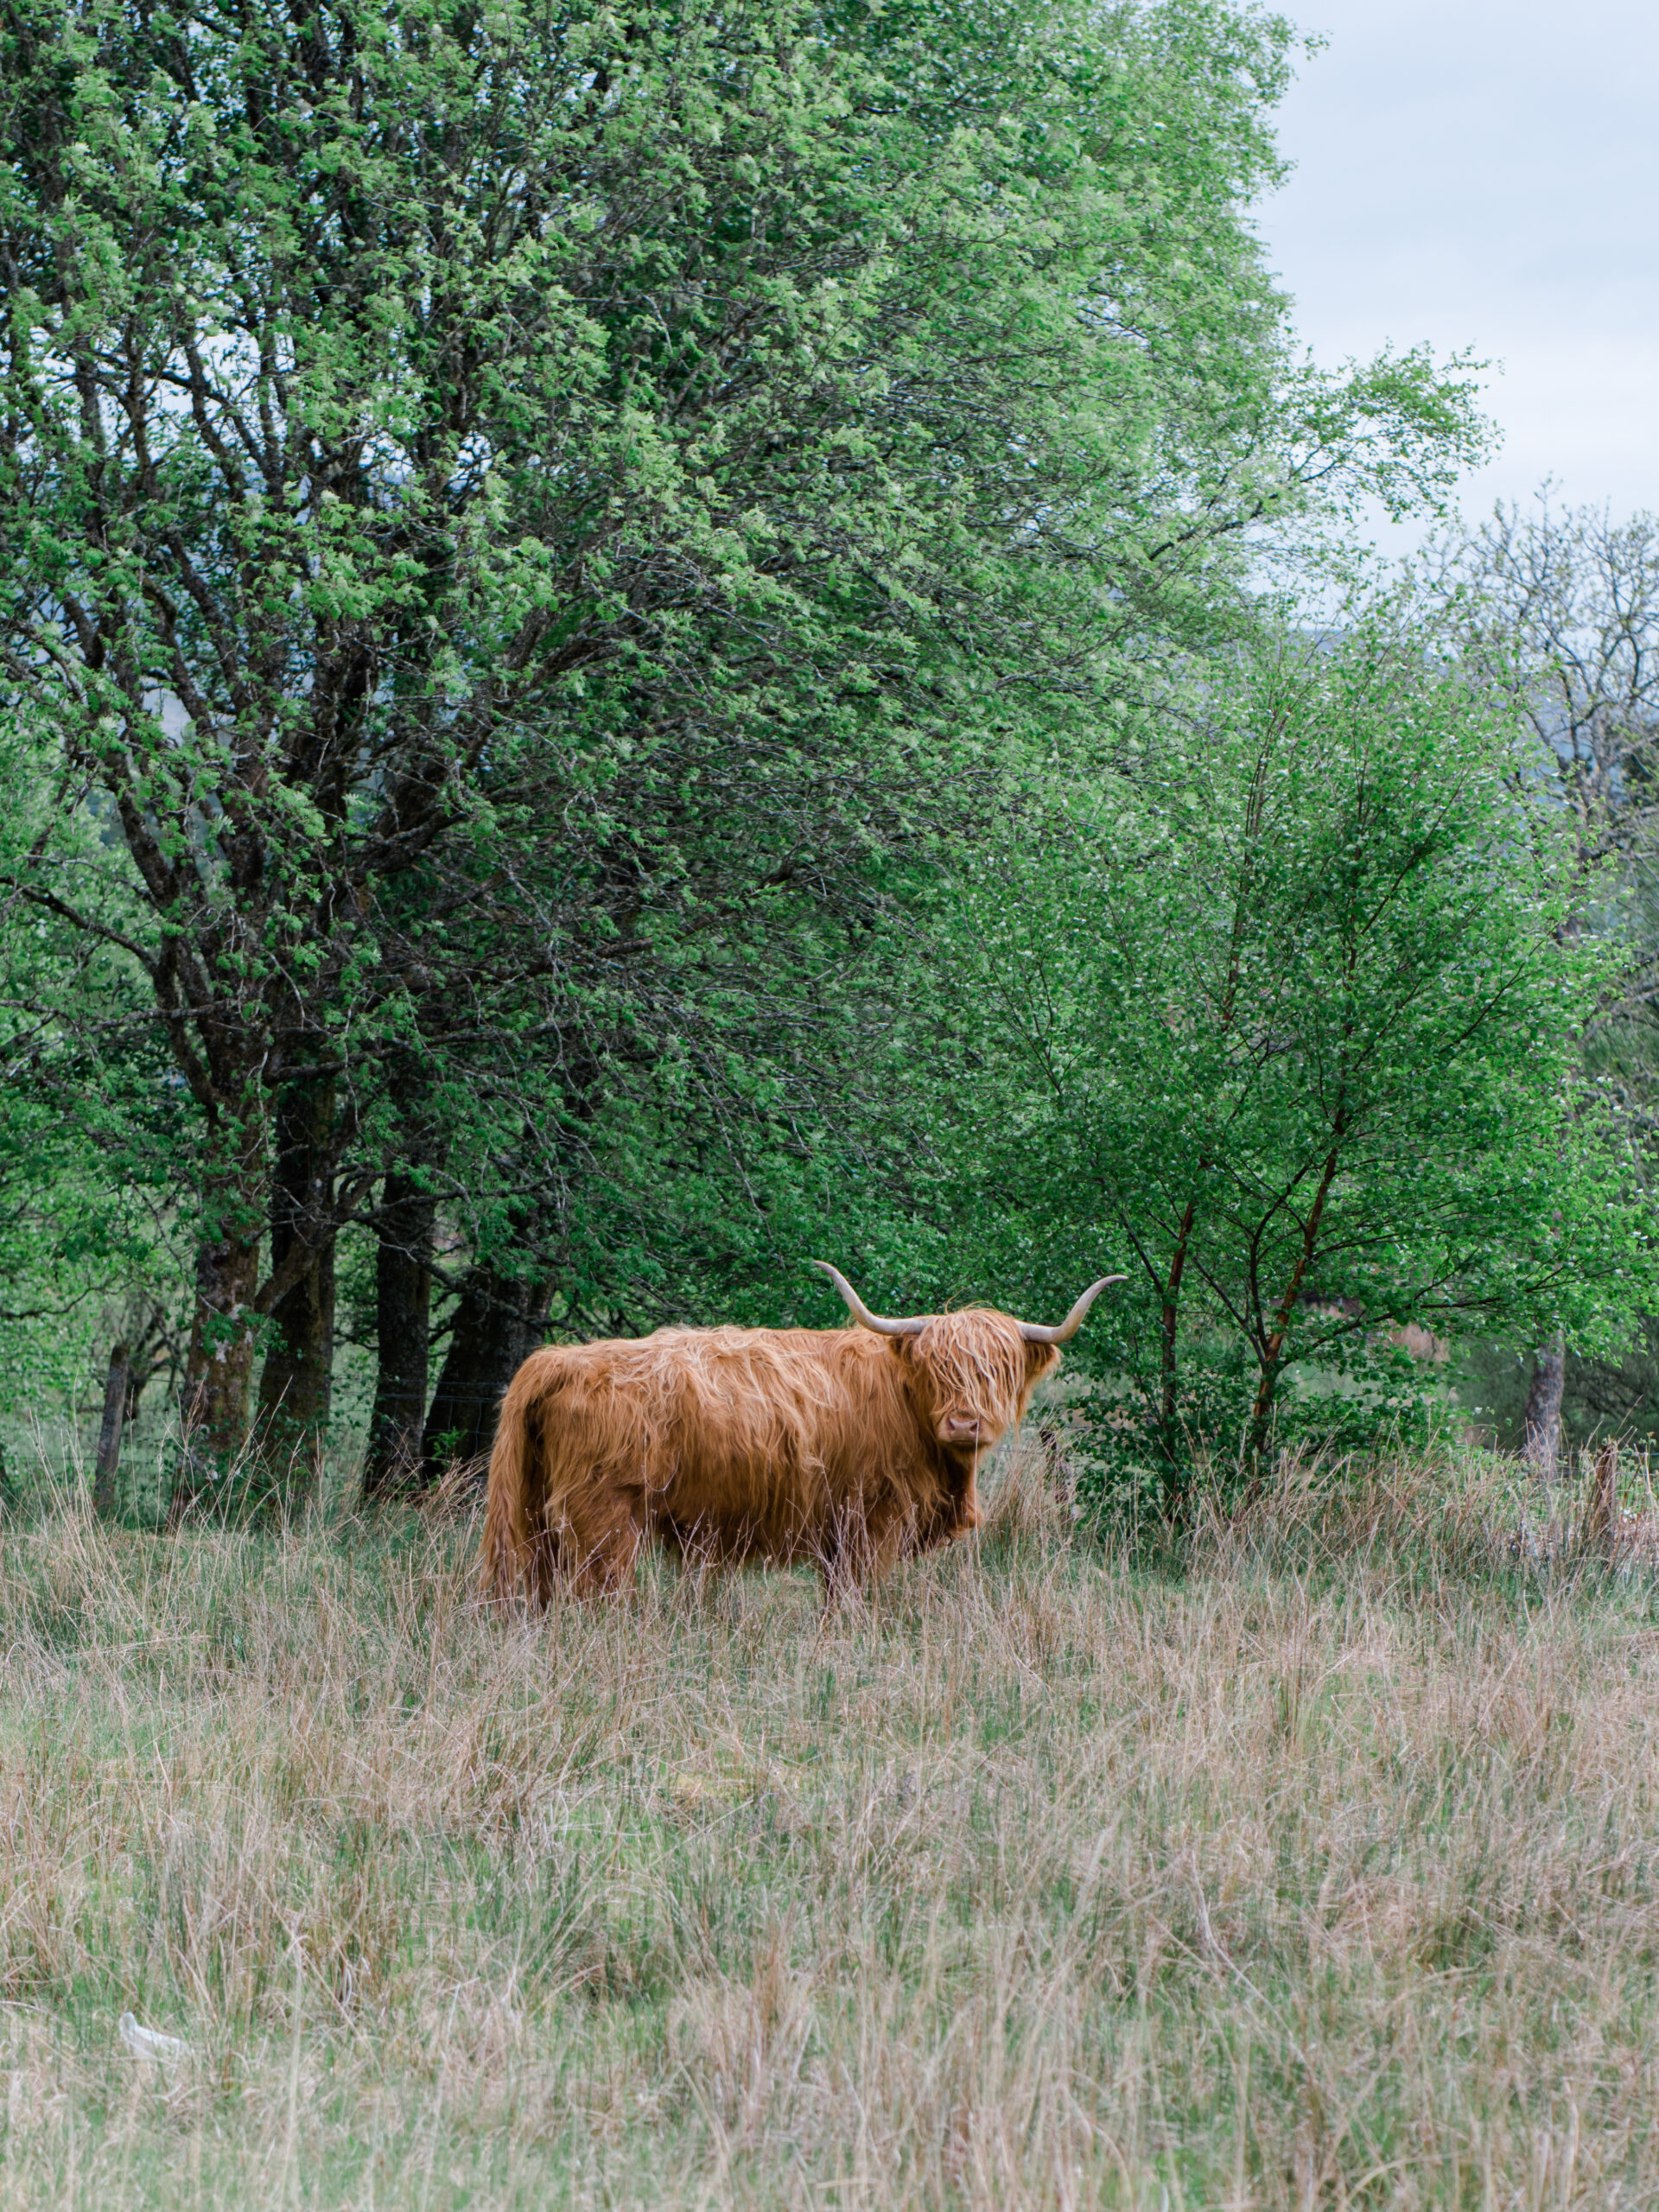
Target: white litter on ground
[{"x": 151, "y": 2043}]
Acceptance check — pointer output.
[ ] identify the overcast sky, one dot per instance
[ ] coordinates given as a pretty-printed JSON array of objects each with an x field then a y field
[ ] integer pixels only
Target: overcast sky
[{"x": 1485, "y": 173}]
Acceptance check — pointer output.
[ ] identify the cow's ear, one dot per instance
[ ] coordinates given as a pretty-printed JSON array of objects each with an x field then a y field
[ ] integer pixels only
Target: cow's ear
[{"x": 1040, "y": 1360}]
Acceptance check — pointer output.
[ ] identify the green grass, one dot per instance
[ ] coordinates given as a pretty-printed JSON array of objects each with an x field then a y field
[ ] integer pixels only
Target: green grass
[{"x": 1321, "y": 1869}]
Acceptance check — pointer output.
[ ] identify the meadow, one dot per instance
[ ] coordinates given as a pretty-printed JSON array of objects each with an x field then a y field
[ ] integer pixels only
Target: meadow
[{"x": 1317, "y": 1866}]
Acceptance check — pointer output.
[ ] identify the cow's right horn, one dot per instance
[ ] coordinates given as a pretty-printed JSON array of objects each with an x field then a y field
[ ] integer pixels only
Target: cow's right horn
[
  {"x": 1034, "y": 1333},
  {"x": 861, "y": 1313}
]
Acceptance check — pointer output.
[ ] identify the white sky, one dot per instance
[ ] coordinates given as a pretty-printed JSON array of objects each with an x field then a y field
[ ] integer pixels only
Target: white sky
[{"x": 1484, "y": 174}]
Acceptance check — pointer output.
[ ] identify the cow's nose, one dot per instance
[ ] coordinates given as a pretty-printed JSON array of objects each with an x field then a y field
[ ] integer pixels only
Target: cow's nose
[{"x": 957, "y": 1431}]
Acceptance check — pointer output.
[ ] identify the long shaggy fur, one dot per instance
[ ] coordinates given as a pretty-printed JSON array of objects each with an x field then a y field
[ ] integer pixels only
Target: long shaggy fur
[{"x": 834, "y": 1446}]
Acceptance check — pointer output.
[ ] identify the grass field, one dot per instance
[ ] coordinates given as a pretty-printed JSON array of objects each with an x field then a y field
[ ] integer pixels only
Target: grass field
[{"x": 1322, "y": 1869}]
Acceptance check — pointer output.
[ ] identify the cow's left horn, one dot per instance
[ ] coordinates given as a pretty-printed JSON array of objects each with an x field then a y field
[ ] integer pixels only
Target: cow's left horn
[
  {"x": 860, "y": 1312},
  {"x": 1034, "y": 1333}
]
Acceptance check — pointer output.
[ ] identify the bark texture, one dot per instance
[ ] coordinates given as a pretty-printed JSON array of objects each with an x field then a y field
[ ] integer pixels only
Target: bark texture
[
  {"x": 1542, "y": 1425},
  {"x": 497, "y": 1323},
  {"x": 219, "y": 1366},
  {"x": 402, "y": 1307},
  {"x": 297, "y": 1384}
]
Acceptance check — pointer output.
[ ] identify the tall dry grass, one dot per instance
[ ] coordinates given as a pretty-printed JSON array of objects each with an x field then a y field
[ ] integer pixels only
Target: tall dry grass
[{"x": 1321, "y": 1868}]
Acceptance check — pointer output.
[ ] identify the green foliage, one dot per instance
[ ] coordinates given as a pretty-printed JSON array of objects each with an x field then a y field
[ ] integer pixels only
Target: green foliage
[
  {"x": 1559, "y": 607},
  {"x": 524, "y": 530},
  {"x": 82, "y": 1217},
  {"x": 1285, "y": 1022}
]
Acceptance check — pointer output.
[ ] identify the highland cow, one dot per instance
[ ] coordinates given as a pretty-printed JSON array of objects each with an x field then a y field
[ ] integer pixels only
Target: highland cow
[{"x": 849, "y": 1448}]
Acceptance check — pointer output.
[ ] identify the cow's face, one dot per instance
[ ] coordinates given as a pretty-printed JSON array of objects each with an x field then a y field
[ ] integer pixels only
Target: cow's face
[{"x": 971, "y": 1375}]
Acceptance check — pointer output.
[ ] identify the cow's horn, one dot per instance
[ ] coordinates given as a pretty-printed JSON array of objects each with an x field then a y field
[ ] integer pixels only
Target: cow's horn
[
  {"x": 861, "y": 1313},
  {"x": 1034, "y": 1333}
]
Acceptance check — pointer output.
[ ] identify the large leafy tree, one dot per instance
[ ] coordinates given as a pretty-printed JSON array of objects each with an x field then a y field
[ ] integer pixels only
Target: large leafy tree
[{"x": 498, "y": 480}]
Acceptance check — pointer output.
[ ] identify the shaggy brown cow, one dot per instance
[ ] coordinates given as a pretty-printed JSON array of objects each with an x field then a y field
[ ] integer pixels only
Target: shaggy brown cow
[{"x": 849, "y": 1447}]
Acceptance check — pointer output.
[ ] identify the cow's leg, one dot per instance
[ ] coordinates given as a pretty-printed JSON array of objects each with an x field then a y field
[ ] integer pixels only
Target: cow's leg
[
  {"x": 588, "y": 1541},
  {"x": 601, "y": 1539},
  {"x": 954, "y": 1518},
  {"x": 565, "y": 1560},
  {"x": 840, "y": 1583},
  {"x": 547, "y": 1567},
  {"x": 847, "y": 1555},
  {"x": 829, "y": 1556},
  {"x": 605, "y": 1570},
  {"x": 899, "y": 1529},
  {"x": 843, "y": 1596}
]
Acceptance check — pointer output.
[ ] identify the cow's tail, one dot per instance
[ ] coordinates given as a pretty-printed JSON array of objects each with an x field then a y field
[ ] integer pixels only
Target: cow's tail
[{"x": 507, "y": 1560}]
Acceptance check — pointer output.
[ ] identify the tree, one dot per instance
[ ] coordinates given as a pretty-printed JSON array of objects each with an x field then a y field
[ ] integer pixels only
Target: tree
[
  {"x": 1286, "y": 1023},
  {"x": 642, "y": 460},
  {"x": 1559, "y": 608}
]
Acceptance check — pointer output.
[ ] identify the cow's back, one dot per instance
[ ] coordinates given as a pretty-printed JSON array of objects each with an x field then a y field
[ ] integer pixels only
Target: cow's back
[
  {"x": 739, "y": 1441},
  {"x": 778, "y": 1437}
]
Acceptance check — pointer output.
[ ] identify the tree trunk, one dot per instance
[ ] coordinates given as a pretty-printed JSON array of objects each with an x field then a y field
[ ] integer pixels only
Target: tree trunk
[
  {"x": 218, "y": 1367},
  {"x": 109, "y": 1434},
  {"x": 1271, "y": 1349},
  {"x": 1175, "y": 1475},
  {"x": 296, "y": 1383},
  {"x": 497, "y": 1322},
  {"x": 403, "y": 1308},
  {"x": 149, "y": 1351},
  {"x": 1542, "y": 1428}
]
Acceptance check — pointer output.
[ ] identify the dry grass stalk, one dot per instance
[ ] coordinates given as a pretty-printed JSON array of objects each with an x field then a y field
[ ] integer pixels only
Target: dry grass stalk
[{"x": 1320, "y": 1872}]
